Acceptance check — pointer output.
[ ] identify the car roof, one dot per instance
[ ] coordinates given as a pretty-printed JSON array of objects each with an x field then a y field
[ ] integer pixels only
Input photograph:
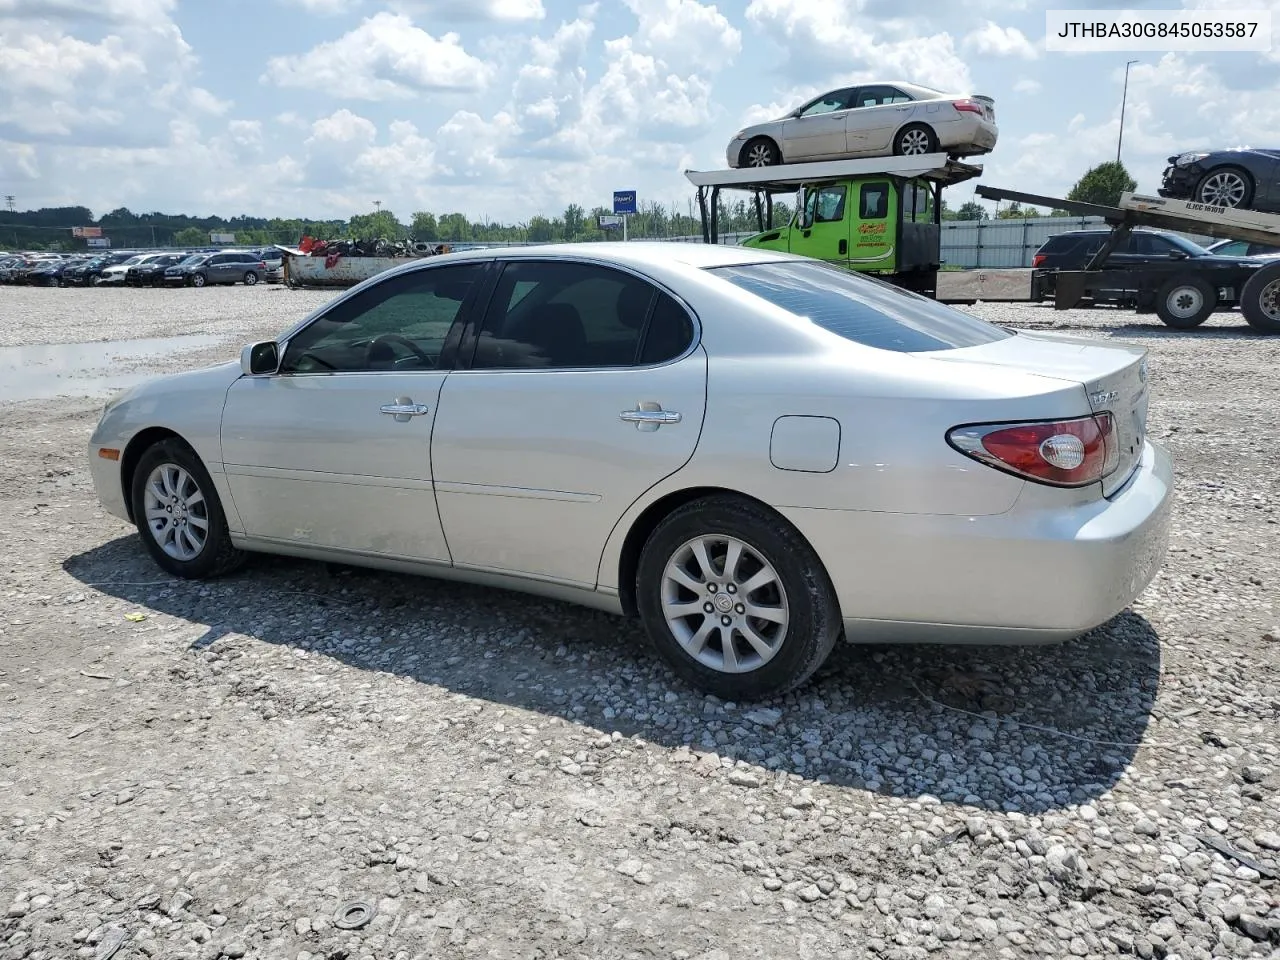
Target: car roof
[{"x": 637, "y": 253}]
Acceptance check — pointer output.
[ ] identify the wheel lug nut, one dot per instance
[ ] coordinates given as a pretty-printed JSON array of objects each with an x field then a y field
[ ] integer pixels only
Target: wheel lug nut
[
  {"x": 731, "y": 588},
  {"x": 708, "y": 607},
  {"x": 740, "y": 609},
  {"x": 726, "y": 621},
  {"x": 712, "y": 588}
]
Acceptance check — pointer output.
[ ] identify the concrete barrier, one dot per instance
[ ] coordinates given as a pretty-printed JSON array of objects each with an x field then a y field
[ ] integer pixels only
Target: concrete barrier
[{"x": 965, "y": 286}]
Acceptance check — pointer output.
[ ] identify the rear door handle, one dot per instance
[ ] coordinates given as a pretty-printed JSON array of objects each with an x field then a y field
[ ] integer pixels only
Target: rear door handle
[
  {"x": 649, "y": 415},
  {"x": 404, "y": 409}
]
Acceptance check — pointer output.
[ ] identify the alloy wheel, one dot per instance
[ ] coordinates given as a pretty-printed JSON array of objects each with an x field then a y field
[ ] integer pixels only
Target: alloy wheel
[
  {"x": 1223, "y": 189},
  {"x": 177, "y": 513},
  {"x": 725, "y": 604},
  {"x": 914, "y": 143}
]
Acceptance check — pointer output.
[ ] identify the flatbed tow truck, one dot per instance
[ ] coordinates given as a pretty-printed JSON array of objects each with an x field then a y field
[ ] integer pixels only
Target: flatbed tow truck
[
  {"x": 880, "y": 216},
  {"x": 1182, "y": 292}
]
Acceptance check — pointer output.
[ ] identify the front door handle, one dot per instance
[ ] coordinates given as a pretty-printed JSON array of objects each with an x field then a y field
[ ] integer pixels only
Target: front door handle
[
  {"x": 649, "y": 415},
  {"x": 404, "y": 409},
  {"x": 844, "y": 247}
]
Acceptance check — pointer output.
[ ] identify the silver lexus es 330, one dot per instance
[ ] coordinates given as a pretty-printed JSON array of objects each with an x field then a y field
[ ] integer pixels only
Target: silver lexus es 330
[{"x": 753, "y": 452}]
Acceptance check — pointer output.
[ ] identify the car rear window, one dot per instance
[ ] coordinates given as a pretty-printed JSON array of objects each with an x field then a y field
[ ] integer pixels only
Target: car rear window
[{"x": 861, "y": 308}]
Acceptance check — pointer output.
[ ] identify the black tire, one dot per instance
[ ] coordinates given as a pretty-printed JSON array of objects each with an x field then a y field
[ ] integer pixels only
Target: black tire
[
  {"x": 1225, "y": 187},
  {"x": 915, "y": 139},
  {"x": 1186, "y": 301},
  {"x": 813, "y": 623},
  {"x": 1260, "y": 299},
  {"x": 759, "y": 152},
  {"x": 217, "y": 556},
  {"x": 250, "y": 278},
  {"x": 198, "y": 280}
]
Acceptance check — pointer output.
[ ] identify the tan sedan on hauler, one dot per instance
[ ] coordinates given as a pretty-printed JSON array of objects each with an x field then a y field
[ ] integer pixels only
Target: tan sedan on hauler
[{"x": 871, "y": 120}]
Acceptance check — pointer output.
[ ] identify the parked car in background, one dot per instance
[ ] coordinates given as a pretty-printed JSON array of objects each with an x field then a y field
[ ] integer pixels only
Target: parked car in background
[
  {"x": 870, "y": 120},
  {"x": 116, "y": 274},
  {"x": 51, "y": 273},
  {"x": 1242, "y": 248},
  {"x": 747, "y": 528},
  {"x": 1248, "y": 179},
  {"x": 201, "y": 269},
  {"x": 273, "y": 259},
  {"x": 89, "y": 271},
  {"x": 150, "y": 273}
]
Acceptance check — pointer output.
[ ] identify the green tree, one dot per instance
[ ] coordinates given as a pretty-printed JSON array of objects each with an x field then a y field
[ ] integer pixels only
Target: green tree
[
  {"x": 574, "y": 221},
  {"x": 972, "y": 210},
  {"x": 191, "y": 237},
  {"x": 541, "y": 230},
  {"x": 423, "y": 225},
  {"x": 383, "y": 223},
  {"x": 1103, "y": 184},
  {"x": 454, "y": 226}
]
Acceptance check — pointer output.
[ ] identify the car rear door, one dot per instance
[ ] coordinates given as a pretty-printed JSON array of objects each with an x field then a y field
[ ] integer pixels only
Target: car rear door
[
  {"x": 878, "y": 111},
  {"x": 587, "y": 386},
  {"x": 333, "y": 452}
]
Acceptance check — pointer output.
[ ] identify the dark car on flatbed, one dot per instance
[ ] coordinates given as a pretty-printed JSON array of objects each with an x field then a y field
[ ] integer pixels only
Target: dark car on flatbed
[
  {"x": 1149, "y": 270},
  {"x": 1247, "y": 179}
]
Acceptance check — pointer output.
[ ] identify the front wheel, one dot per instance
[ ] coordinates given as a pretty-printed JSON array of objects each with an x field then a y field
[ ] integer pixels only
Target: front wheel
[
  {"x": 1186, "y": 302},
  {"x": 250, "y": 278},
  {"x": 178, "y": 514},
  {"x": 1225, "y": 187},
  {"x": 1260, "y": 299},
  {"x": 914, "y": 140},
  {"x": 735, "y": 599},
  {"x": 760, "y": 152}
]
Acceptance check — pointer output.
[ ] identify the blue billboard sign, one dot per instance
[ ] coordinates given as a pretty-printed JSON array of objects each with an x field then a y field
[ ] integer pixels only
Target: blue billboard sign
[{"x": 624, "y": 201}]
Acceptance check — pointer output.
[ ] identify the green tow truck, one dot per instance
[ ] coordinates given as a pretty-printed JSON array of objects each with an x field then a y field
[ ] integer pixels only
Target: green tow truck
[{"x": 880, "y": 216}]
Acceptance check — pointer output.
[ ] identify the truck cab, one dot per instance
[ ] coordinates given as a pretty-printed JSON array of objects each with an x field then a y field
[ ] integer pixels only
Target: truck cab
[{"x": 880, "y": 216}]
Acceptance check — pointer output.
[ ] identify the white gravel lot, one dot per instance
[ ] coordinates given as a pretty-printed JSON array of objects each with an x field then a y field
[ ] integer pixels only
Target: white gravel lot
[{"x": 215, "y": 770}]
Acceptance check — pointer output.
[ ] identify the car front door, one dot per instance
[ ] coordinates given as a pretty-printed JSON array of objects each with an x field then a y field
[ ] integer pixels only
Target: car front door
[
  {"x": 587, "y": 386},
  {"x": 333, "y": 450},
  {"x": 818, "y": 130},
  {"x": 824, "y": 223},
  {"x": 878, "y": 112}
]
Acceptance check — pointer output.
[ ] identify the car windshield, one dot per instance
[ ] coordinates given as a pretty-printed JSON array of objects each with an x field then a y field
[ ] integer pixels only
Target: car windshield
[
  {"x": 1191, "y": 248},
  {"x": 860, "y": 308},
  {"x": 195, "y": 258}
]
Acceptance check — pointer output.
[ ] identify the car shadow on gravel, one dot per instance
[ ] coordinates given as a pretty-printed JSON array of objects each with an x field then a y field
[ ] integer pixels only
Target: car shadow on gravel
[{"x": 1003, "y": 728}]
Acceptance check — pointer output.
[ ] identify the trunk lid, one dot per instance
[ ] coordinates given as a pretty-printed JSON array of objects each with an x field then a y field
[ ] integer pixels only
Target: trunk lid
[
  {"x": 1114, "y": 378},
  {"x": 988, "y": 106}
]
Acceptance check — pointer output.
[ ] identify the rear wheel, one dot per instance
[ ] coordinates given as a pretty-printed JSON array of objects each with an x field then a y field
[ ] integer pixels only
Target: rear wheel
[
  {"x": 915, "y": 139},
  {"x": 178, "y": 514},
  {"x": 735, "y": 599},
  {"x": 250, "y": 278},
  {"x": 760, "y": 152},
  {"x": 1225, "y": 187},
  {"x": 1260, "y": 299},
  {"x": 1186, "y": 302}
]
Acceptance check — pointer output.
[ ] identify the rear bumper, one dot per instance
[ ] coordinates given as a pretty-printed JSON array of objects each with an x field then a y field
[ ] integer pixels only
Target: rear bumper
[
  {"x": 1031, "y": 575},
  {"x": 967, "y": 136}
]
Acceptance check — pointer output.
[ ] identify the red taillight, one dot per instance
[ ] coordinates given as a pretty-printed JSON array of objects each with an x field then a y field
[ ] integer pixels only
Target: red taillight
[
  {"x": 1038, "y": 259},
  {"x": 967, "y": 106},
  {"x": 262, "y": 264},
  {"x": 1063, "y": 453}
]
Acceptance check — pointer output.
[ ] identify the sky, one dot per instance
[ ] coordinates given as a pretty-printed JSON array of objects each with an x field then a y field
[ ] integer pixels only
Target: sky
[{"x": 504, "y": 109}]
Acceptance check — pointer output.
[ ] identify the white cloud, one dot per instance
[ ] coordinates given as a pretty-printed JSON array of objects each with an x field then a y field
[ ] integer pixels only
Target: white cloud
[
  {"x": 206, "y": 102},
  {"x": 325, "y": 7},
  {"x": 510, "y": 11},
  {"x": 687, "y": 36},
  {"x": 386, "y": 57},
  {"x": 342, "y": 126},
  {"x": 1027, "y": 86},
  {"x": 993, "y": 40},
  {"x": 818, "y": 36}
]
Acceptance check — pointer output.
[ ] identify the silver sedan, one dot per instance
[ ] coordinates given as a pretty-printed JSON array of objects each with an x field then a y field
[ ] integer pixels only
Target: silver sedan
[
  {"x": 872, "y": 120},
  {"x": 755, "y": 453}
]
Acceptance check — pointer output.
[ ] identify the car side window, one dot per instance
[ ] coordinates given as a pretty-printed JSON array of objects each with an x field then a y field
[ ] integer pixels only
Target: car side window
[
  {"x": 400, "y": 323},
  {"x": 879, "y": 96},
  {"x": 873, "y": 201},
  {"x": 668, "y": 333},
  {"x": 574, "y": 315},
  {"x": 831, "y": 204},
  {"x": 836, "y": 100}
]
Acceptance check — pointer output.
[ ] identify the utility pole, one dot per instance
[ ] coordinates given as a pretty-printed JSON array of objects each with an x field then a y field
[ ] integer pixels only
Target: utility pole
[
  {"x": 378, "y": 204},
  {"x": 1123, "y": 98},
  {"x": 9, "y": 201}
]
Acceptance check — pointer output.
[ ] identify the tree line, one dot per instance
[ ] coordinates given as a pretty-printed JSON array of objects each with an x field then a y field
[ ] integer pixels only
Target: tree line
[{"x": 50, "y": 228}]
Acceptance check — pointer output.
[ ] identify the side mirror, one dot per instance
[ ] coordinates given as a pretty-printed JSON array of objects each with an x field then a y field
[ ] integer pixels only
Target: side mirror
[
  {"x": 1179, "y": 255},
  {"x": 258, "y": 359}
]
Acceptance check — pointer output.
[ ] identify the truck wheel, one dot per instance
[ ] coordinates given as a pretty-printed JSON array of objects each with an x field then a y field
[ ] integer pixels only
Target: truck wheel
[
  {"x": 1186, "y": 302},
  {"x": 1260, "y": 299}
]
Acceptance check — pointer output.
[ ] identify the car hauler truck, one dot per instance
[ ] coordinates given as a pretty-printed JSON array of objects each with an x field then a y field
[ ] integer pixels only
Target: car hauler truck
[
  {"x": 880, "y": 216},
  {"x": 1182, "y": 292}
]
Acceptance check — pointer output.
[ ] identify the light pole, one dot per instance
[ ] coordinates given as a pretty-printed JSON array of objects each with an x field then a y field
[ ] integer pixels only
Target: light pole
[{"x": 1124, "y": 97}]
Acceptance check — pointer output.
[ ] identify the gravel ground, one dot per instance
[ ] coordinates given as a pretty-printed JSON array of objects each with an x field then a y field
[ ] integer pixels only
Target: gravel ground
[{"x": 222, "y": 769}]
